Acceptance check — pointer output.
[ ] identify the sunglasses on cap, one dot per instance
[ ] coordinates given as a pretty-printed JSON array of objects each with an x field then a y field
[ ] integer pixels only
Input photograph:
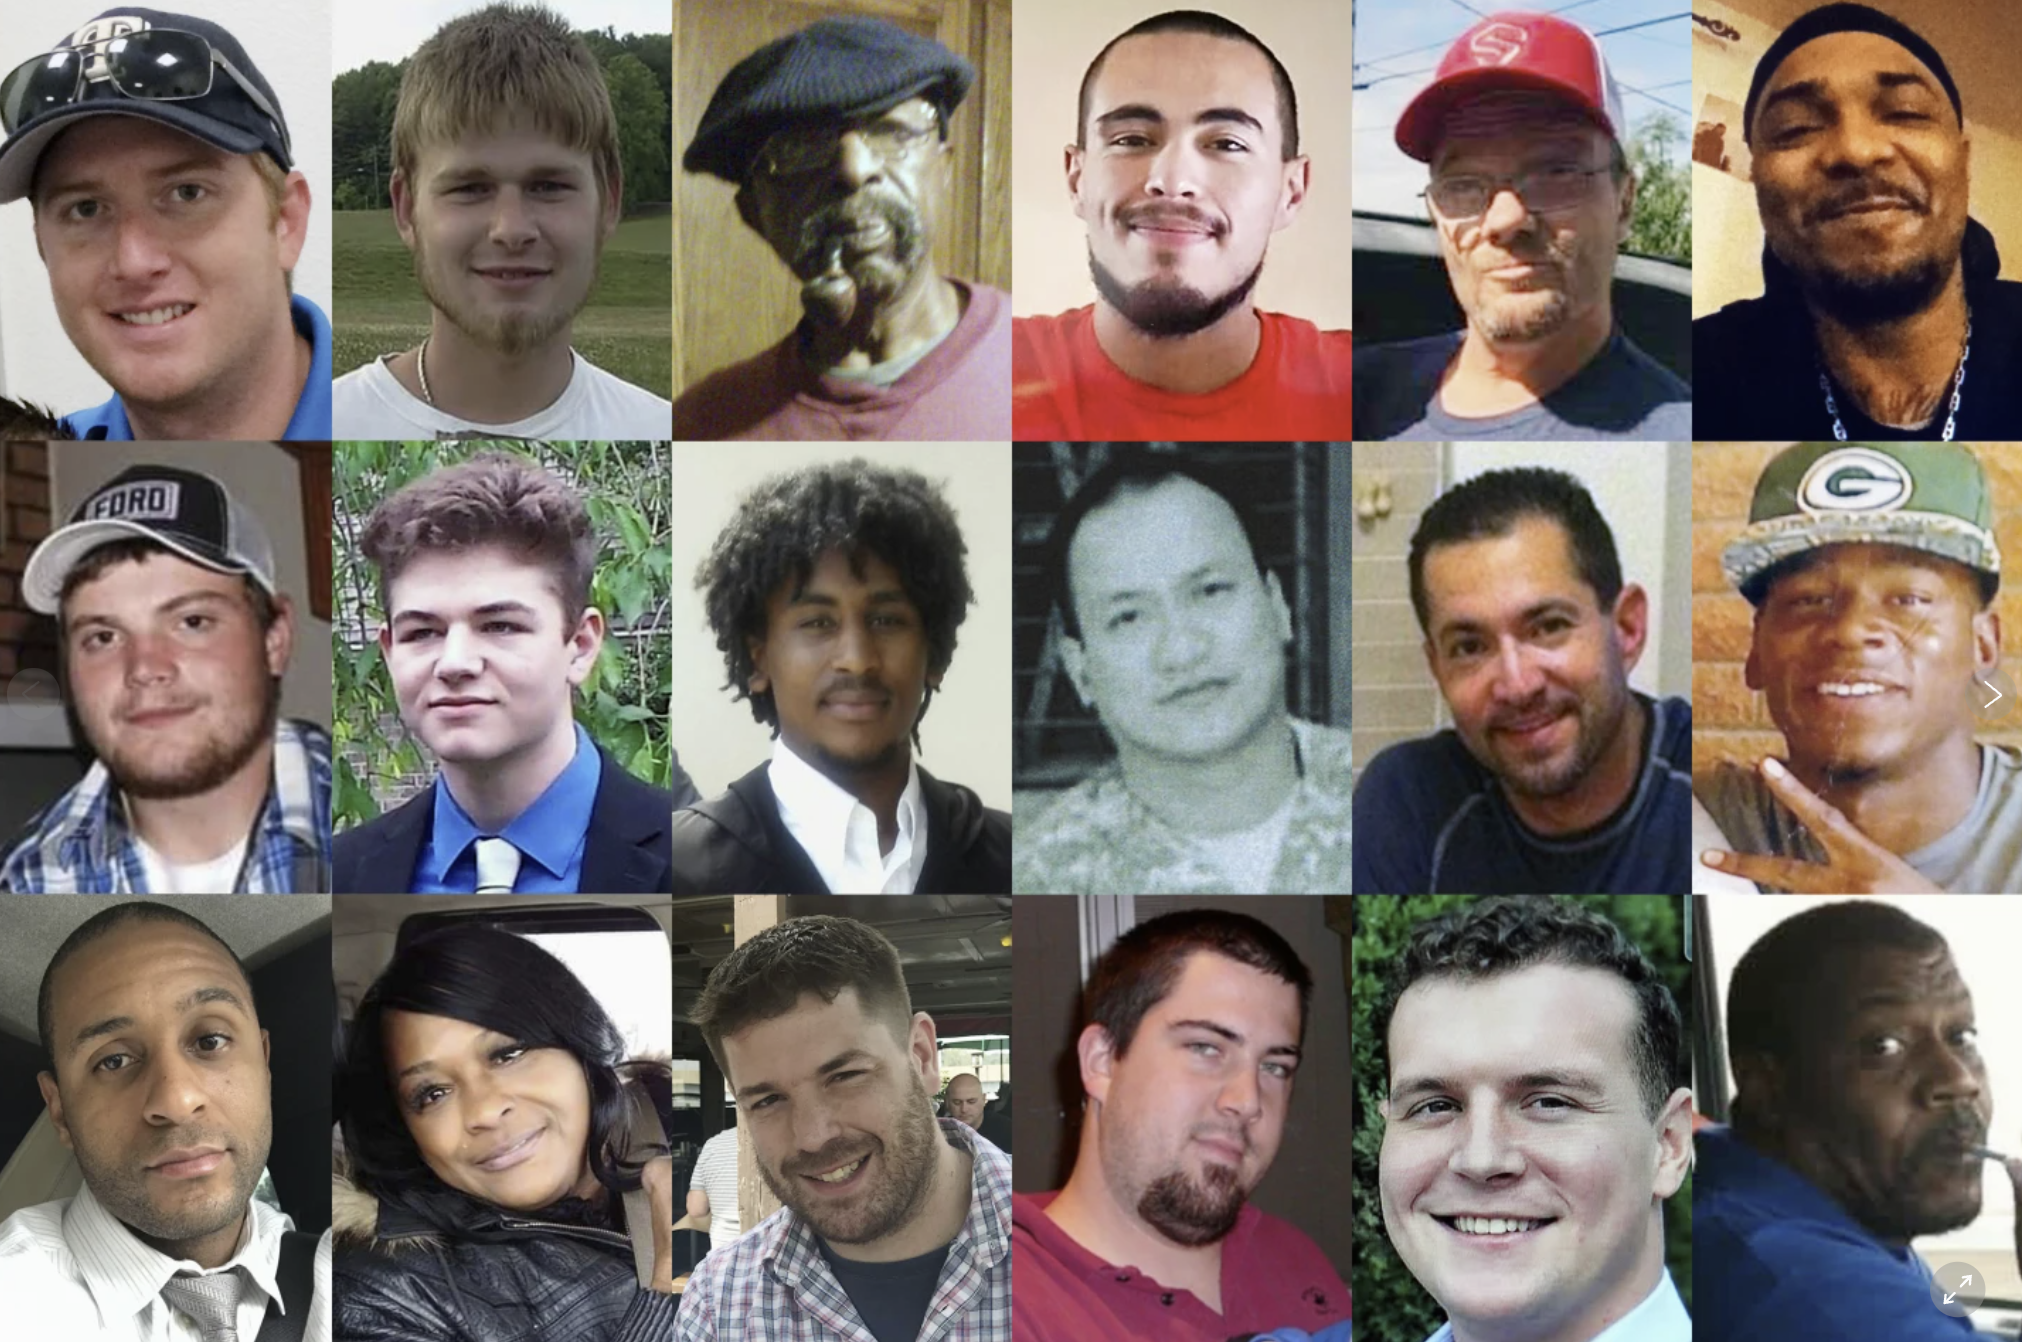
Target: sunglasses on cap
[{"x": 156, "y": 64}]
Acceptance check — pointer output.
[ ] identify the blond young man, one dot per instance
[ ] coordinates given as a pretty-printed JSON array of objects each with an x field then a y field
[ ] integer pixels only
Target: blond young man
[{"x": 506, "y": 185}]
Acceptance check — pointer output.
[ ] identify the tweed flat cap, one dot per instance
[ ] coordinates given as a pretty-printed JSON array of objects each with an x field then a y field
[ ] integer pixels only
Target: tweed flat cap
[{"x": 832, "y": 68}]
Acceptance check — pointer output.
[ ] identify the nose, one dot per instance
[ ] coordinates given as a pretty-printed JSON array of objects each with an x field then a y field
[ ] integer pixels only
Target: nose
[
  {"x": 1954, "y": 1077},
  {"x": 458, "y": 657},
  {"x": 1505, "y": 215},
  {"x": 512, "y": 224},
  {"x": 1180, "y": 644},
  {"x": 1857, "y": 140},
  {"x": 175, "y": 1092},
  {"x": 1858, "y": 620},
  {"x": 1241, "y": 1095},
  {"x": 856, "y": 651},
  {"x": 149, "y": 660},
  {"x": 484, "y": 1104},
  {"x": 1175, "y": 171},
  {"x": 1517, "y": 677},
  {"x": 137, "y": 254},
  {"x": 1484, "y": 1151},
  {"x": 856, "y": 162},
  {"x": 814, "y": 1126}
]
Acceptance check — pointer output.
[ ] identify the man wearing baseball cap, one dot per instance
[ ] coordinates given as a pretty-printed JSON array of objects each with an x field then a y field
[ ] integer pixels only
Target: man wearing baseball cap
[
  {"x": 1882, "y": 315},
  {"x": 174, "y": 640},
  {"x": 1872, "y": 568},
  {"x": 836, "y": 138},
  {"x": 169, "y": 216},
  {"x": 1530, "y": 194}
]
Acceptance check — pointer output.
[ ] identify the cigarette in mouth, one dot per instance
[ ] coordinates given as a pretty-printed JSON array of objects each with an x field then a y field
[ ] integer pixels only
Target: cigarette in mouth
[{"x": 1986, "y": 1153}]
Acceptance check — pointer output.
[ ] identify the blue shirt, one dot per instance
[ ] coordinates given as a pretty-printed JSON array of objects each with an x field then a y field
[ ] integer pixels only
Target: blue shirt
[
  {"x": 550, "y": 834},
  {"x": 1430, "y": 819},
  {"x": 1774, "y": 1258},
  {"x": 1621, "y": 393},
  {"x": 311, "y": 421},
  {"x": 1660, "y": 1318}
]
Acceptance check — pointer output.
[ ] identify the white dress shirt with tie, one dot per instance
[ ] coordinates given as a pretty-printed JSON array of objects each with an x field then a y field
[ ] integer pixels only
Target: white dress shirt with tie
[
  {"x": 840, "y": 833},
  {"x": 71, "y": 1272}
]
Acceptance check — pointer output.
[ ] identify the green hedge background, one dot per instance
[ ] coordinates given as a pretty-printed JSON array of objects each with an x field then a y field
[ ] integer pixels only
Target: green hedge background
[
  {"x": 624, "y": 704},
  {"x": 1390, "y": 1305}
]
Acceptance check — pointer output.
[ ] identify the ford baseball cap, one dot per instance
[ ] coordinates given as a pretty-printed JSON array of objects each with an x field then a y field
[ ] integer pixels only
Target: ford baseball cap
[
  {"x": 1923, "y": 496},
  {"x": 1514, "y": 51},
  {"x": 185, "y": 511},
  {"x": 46, "y": 95}
]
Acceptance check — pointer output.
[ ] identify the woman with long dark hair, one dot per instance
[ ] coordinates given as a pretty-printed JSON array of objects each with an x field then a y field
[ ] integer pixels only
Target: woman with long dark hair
[{"x": 492, "y": 1126}]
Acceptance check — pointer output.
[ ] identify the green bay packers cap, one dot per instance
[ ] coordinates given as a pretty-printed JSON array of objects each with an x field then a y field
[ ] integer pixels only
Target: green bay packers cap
[{"x": 1923, "y": 496}]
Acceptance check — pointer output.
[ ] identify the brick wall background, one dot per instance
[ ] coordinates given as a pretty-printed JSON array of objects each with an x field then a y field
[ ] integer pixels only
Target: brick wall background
[
  {"x": 27, "y": 640},
  {"x": 1730, "y": 722}
]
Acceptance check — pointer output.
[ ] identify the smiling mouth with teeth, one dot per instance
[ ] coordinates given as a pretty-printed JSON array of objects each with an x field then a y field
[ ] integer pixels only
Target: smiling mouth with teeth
[
  {"x": 156, "y": 316},
  {"x": 1490, "y": 1225},
  {"x": 840, "y": 1175},
  {"x": 1850, "y": 689}
]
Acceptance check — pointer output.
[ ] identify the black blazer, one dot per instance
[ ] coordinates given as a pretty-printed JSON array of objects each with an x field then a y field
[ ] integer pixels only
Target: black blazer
[
  {"x": 737, "y": 844},
  {"x": 626, "y": 852}
]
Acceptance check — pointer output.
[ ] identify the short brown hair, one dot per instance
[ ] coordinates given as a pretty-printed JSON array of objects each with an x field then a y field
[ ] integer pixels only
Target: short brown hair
[
  {"x": 494, "y": 498},
  {"x": 502, "y": 64},
  {"x": 136, "y": 548},
  {"x": 1141, "y": 968},
  {"x": 766, "y": 977}
]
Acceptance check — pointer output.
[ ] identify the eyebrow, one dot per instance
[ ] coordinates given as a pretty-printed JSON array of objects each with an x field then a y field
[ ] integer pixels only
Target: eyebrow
[
  {"x": 1555, "y": 1080},
  {"x": 114, "y": 1024},
  {"x": 489, "y": 608},
  {"x": 1814, "y": 90},
  {"x": 201, "y": 598},
  {"x": 1233, "y": 1036},
  {"x": 841, "y": 1060},
  {"x": 1146, "y": 112},
  {"x": 484, "y": 1042},
  {"x": 97, "y": 182},
  {"x": 1139, "y": 593},
  {"x": 1551, "y": 606}
]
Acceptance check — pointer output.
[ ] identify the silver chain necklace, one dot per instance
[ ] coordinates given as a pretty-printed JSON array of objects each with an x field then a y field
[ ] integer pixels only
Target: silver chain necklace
[
  {"x": 1824, "y": 385},
  {"x": 421, "y": 371}
]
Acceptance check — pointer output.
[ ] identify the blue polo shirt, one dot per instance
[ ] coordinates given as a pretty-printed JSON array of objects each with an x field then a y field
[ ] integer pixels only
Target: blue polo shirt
[
  {"x": 1774, "y": 1258},
  {"x": 550, "y": 834},
  {"x": 310, "y": 423}
]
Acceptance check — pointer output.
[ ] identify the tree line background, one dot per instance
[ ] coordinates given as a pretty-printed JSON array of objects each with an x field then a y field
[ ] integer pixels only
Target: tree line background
[{"x": 638, "y": 67}]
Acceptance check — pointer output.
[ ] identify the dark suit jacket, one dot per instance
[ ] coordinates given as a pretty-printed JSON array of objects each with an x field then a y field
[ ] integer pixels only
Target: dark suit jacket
[
  {"x": 626, "y": 852},
  {"x": 737, "y": 844}
]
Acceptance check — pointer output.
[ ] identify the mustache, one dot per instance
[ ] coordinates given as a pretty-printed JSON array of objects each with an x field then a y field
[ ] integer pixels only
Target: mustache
[
  {"x": 1844, "y": 199},
  {"x": 820, "y": 243},
  {"x": 1167, "y": 213},
  {"x": 1959, "y": 1129},
  {"x": 1536, "y": 708}
]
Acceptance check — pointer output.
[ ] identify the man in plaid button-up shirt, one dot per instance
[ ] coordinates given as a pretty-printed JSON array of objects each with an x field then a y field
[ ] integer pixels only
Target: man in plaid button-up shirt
[{"x": 895, "y": 1228}]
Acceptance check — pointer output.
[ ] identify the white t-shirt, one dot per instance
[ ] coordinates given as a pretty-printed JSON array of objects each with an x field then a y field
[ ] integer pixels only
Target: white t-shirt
[
  {"x": 219, "y": 876},
  {"x": 369, "y": 403},
  {"x": 1248, "y": 857}
]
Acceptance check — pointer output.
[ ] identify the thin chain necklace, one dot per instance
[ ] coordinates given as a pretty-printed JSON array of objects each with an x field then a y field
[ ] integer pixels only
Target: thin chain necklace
[
  {"x": 421, "y": 371},
  {"x": 1825, "y": 385}
]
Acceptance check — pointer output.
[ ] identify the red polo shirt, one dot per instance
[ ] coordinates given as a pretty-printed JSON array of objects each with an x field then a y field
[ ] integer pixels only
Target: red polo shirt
[
  {"x": 1272, "y": 1277},
  {"x": 1065, "y": 389}
]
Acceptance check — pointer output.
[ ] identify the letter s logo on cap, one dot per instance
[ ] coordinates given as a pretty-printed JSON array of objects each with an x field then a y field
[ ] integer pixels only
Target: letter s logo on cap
[
  {"x": 1854, "y": 480},
  {"x": 1498, "y": 43}
]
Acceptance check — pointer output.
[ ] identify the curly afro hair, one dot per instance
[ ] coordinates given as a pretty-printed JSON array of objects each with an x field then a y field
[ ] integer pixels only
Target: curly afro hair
[{"x": 786, "y": 524}]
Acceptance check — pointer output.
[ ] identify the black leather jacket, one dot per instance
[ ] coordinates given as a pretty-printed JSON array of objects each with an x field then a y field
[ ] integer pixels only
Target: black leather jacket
[{"x": 505, "y": 1279}]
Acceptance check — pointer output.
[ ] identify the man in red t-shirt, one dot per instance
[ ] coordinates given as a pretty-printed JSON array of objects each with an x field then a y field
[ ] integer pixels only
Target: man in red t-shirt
[
  {"x": 1194, "y": 1024},
  {"x": 1186, "y": 162}
]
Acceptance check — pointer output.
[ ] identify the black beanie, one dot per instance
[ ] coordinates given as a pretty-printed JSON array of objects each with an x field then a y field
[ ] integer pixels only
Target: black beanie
[{"x": 1843, "y": 18}]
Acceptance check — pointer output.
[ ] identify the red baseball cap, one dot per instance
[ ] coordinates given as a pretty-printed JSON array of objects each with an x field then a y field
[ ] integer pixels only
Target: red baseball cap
[{"x": 1516, "y": 50}]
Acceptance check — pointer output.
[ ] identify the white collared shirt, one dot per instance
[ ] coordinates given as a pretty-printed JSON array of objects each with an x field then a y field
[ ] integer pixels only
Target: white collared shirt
[
  {"x": 1660, "y": 1318},
  {"x": 70, "y": 1270},
  {"x": 840, "y": 833}
]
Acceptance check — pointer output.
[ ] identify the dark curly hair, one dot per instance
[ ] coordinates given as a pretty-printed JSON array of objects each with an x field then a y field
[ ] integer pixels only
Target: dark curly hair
[
  {"x": 1506, "y": 934},
  {"x": 786, "y": 524},
  {"x": 502, "y": 982}
]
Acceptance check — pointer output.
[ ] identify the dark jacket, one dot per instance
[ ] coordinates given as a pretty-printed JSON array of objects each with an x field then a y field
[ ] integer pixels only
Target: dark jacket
[
  {"x": 737, "y": 844},
  {"x": 1756, "y": 365},
  {"x": 504, "y": 1278},
  {"x": 625, "y": 854}
]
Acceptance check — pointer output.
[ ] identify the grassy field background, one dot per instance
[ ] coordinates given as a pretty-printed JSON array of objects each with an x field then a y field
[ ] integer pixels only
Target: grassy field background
[{"x": 627, "y": 329}]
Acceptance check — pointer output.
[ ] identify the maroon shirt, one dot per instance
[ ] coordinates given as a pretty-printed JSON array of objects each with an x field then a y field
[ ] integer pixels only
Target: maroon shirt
[
  {"x": 959, "y": 393},
  {"x": 1272, "y": 1277}
]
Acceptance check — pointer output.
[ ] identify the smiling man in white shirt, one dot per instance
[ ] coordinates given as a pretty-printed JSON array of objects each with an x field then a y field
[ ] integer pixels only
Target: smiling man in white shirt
[
  {"x": 1537, "y": 1117},
  {"x": 835, "y": 594},
  {"x": 158, "y": 1083}
]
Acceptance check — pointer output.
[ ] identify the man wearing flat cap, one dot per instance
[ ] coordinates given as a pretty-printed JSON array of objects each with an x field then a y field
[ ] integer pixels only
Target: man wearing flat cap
[
  {"x": 169, "y": 215},
  {"x": 1882, "y": 314},
  {"x": 1530, "y": 195},
  {"x": 1872, "y": 568},
  {"x": 836, "y": 138}
]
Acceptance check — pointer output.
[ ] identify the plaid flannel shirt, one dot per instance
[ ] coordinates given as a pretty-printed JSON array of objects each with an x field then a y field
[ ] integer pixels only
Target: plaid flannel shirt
[
  {"x": 773, "y": 1285},
  {"x": 80, "y": 843}
]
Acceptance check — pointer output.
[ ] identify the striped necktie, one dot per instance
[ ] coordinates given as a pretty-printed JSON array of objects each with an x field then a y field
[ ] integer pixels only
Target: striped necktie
[
  {"x": 212, "y": 1302},
  {"x": 498, "y": 866}
]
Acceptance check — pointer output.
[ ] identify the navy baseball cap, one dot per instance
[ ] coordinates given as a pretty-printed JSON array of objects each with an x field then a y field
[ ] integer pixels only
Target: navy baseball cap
[{"x": 227, "y": 116}]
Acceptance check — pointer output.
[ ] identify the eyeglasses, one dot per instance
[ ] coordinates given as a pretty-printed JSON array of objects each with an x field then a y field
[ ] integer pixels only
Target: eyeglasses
[
  {"x": 156, "y": 64},
  {"x": 805, "y": 149},
  {"x": 1555, "y": 186}
]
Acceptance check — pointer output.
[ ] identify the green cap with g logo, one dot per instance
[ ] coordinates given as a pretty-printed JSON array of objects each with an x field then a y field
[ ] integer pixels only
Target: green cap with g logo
[{"x": 1924, "y": 496}]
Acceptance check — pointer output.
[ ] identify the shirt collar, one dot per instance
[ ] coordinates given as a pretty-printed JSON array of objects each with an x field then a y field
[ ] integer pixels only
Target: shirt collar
[
  {"x": 124, "y": 1274},
  {"x": 549, "y": 831},
  {"x": 1660, "y": 1318},
  {"x": 817, "y": 805}
]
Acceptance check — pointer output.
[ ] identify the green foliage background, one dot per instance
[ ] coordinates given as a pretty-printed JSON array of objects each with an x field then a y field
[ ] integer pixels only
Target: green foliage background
[
  {"x": 1662, "y": 225},
  {"x": 625, "y": 702},
  {"x": 1390, "y": 1305}
]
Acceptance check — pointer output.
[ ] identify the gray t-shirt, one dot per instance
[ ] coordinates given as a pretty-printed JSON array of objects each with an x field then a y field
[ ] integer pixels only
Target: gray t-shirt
[
  {"x": 1980, "y": 855},
  {"x": 1621, "y": 393}
]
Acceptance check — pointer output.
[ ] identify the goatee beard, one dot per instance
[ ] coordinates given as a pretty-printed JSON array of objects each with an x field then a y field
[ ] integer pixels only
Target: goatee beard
[
  {"x": 1873, "y": 300},
  {"x": 1190, "y": 1213},
  {"x": 1168, "y": 311}
]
